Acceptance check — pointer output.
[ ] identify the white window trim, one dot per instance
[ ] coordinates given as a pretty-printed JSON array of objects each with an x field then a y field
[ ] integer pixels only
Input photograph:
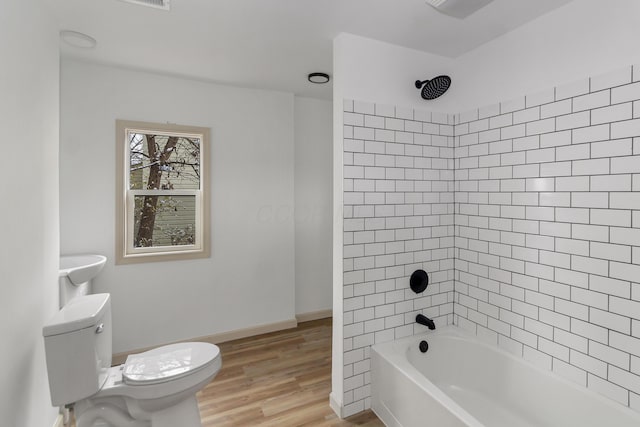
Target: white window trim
[{"x": 126, "y": 253}]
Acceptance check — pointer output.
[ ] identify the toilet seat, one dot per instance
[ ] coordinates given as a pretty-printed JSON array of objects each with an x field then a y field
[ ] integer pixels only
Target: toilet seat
[{"x": 168, "y": 363}]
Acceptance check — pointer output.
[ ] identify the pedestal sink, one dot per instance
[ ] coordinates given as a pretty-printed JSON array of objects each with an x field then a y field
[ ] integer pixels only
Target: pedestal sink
[
  {"x": 81, "y": 268},
  {"x": 76, "y": 272}
]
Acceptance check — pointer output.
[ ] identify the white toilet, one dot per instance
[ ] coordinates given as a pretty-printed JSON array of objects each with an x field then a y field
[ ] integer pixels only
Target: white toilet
[{"x": 156, "y": 388}]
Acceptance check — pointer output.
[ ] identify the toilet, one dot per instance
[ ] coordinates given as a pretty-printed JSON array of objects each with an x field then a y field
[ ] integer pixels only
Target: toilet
[{"x": 156, "y": 388}]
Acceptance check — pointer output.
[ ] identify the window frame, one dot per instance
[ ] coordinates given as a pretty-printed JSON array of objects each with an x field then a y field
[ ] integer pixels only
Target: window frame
[{"x": 126, "y": 253}]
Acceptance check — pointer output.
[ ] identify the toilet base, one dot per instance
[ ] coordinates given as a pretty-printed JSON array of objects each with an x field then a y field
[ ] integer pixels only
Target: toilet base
[
  {"x": 107, "y": 412},
  {"x": 185, "y": 413}
]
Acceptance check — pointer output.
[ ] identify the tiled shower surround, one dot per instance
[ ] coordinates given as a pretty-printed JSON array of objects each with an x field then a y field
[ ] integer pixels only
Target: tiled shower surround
[
  {"x": 398, "y": 217},
  {"x": 546, "y": 250}
]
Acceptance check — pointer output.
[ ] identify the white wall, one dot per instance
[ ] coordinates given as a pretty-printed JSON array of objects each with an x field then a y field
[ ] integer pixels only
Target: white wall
[
  {"x": 29, "y": 193},
  {"x": 374, "y": 71},
  {"x": 249, "y": 279},
  {"x": 581, "y": 39},
  {"x": 313, "y": 216}
]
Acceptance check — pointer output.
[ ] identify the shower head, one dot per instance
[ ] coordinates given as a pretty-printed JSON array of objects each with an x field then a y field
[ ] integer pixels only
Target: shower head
[{"x": 433, "y": 88}]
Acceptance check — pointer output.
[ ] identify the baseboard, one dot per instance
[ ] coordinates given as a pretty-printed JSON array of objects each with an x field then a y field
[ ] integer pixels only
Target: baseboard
[
  {"x": 59, "y": 421},
  {"x": 237, "y": 334},
  {"x": 314, "y": 315},
  {"x": 337, "y": 407}
]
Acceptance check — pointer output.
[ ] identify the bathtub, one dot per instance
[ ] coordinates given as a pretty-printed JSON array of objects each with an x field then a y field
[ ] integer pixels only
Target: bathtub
[{"x": 461, "y": 381}]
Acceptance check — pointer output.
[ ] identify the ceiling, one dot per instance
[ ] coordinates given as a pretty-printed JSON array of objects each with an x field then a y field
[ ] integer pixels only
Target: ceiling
[{"x": 273, "y": 44}]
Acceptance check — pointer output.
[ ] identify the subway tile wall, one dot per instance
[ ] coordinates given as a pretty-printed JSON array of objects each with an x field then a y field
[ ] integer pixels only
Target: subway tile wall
[
  {"x": 547, "y": 230},
  {"x": 398, "y": 217}
]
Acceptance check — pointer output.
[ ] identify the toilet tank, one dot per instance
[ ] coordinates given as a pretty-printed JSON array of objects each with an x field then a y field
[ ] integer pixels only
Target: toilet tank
[{"x": 77, "y": 343}]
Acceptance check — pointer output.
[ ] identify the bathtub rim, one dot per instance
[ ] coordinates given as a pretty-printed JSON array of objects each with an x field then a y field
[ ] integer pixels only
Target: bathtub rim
[{"x": 395, "y": 352}]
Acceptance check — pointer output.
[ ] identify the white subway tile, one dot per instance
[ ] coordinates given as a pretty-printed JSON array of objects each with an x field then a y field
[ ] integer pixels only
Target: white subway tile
[
  {"x": 612, "y": 252},
  {"x": 353, "y": 119},
  {"x": 589, "y": 364},
  {"x": 610, "y": 286},
  {"x": 479, "y": 126},
  {"x": 620, "y": 147},
  {"x": 589, "y": 265},
  {"x": 572, "y": 215},
  {"x": 572, "y": 121},
  {"x": 590, "y": 200},
  {"x": 589, "y": 330},
  {"x": 624, "y": 342},
  {"x": 576, "y": 247},
  {"x": 630, "y": 164},
  {"x": 624, "y": 200},
  {"x": 573, "y": 152},
  {"x": 623, "y": 271},
  {"x": 591, "y": 101},
  {"x": 578, "y": 183},
  {"x": 541, "y": 126},
  {"x": 555, "y": 109},
  {"x": 501, "y": 121},
  {"x": 624, "y": 379},
  {"x": 591, "y": 167},
  {"x": 628, "y": 128},
  {"x": 555, "y": 139},
  {"x": 555, "y": 169},
  {"x": 609, "y": 354},
  {"x": 625, "y": 93},
  {"x": 611, "y": 217},
  {"x": 539, "y": 156},
  {"x": 526, "y": 143},
  {"x": 590, "y": 134},
  {"x": 610, "y": 321},
  {"x": 528, "y": 115},
  {"x": 625, "y": 307},
  {"x": 614, "y": 113},
  {"x": 573, "y": 310}
]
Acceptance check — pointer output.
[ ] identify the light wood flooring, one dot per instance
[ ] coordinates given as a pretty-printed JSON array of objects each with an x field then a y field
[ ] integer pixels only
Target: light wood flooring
[{"x": 279, "y": 379}]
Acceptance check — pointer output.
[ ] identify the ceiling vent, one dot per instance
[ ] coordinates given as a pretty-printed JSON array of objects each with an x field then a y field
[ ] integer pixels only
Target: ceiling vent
[
  {"x": 157, "y": 4},
  {"x": 458, "y": 8}
]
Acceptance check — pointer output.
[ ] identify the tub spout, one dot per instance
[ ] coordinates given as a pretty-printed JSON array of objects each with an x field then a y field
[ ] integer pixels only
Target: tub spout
[{"x": 424, "y": 320}]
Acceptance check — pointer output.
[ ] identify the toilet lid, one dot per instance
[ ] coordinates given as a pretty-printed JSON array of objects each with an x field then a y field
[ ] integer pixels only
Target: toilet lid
[{"x": 168, "y": 362}]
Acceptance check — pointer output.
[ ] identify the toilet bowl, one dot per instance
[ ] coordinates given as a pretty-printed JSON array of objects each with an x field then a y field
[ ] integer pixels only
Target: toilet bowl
[{"x": 156, "y": 388}]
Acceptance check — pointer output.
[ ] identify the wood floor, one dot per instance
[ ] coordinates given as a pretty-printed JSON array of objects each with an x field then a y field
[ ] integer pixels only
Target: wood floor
[{"x": 279, "y": 379}]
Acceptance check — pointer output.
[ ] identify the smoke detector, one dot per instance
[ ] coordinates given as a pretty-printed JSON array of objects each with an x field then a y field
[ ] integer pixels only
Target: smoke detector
[
  {"x": 458, "y": 8},
  {"x": 157, "y": 4}
]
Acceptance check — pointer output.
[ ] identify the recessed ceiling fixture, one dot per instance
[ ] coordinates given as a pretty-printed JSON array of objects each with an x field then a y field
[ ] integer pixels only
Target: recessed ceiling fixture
[
  {"x": 76, "y": 39},
  {"x": 318, "y": 78},
  {"x": 158, "y": 4},
  {"x": 458, "y": 8}
]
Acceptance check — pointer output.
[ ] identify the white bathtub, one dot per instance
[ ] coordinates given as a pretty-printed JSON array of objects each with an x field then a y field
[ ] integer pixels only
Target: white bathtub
[{"x": 461, "y": 381}]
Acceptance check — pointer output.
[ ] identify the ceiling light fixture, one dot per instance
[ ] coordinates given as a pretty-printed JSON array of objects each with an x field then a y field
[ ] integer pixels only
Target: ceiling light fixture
[
  {"x": 76, "y": 39},
  {"x": 458, "y": 8},
  {"x": 318, "y": 78}
]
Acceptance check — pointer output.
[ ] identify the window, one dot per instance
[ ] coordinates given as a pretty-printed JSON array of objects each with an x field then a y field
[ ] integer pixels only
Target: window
[{"x": 162, "y": 183}]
